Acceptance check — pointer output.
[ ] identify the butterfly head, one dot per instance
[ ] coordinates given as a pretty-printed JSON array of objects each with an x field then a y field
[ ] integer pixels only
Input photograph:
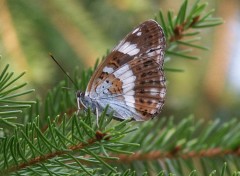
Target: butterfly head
[{"x": 80, "y": 98}]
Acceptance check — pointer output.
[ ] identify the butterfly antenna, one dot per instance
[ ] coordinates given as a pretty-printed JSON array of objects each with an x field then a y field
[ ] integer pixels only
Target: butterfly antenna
[{"x": 50, "y": 54}]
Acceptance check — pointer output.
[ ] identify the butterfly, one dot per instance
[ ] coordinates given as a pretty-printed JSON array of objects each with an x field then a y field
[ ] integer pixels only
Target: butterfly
[{"x": 130, "y": 81}]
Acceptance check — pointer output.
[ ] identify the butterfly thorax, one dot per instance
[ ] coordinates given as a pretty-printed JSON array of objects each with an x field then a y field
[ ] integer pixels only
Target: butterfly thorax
[{"x": 84, "y": 102}]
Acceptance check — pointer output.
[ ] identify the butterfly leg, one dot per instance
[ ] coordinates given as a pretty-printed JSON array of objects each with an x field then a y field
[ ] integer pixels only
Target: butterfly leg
[
  {"x": 78, "y": 104},
  {"x": 97, "y": 116}
]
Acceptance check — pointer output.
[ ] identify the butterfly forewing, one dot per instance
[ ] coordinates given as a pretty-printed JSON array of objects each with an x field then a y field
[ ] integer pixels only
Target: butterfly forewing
[{"x": 131, "y": 79}]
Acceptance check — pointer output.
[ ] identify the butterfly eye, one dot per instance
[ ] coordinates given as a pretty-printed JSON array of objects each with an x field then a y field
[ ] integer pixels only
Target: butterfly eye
[{"x": 78, "y": 94}]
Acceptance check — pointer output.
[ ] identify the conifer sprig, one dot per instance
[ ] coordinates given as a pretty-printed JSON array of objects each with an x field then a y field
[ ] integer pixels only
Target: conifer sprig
[
  {"x": 10, "y": 90},
  {"x": 75, "y": 143},
  {"x": 188, "y": 141},
  {"x": 182, "y": 30}
]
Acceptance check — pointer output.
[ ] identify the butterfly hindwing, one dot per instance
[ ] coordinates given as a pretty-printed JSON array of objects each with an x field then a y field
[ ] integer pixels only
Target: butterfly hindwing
[{"x": 131, "y": 80}]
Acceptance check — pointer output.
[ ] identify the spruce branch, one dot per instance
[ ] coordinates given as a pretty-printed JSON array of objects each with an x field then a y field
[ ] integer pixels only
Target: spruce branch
[
  {"x": 185, "y": 142},
  {"x": 74, "y": 142},
  {"x": 10, "y": 90},
  {"x": 182, "y": 30}
]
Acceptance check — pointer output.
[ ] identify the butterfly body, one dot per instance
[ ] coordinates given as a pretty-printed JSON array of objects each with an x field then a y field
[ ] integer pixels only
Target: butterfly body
[{"x": 130, "y": 81}]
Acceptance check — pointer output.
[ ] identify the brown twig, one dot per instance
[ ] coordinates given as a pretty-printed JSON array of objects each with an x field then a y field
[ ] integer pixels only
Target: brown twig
[
  {"x": 98, "y": 137},
  {"x": 179, "y": 29},
  {"x": 156, "y": 155}
]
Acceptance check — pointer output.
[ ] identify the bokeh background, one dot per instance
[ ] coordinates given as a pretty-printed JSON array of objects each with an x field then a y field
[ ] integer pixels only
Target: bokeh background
[{"x": 77, "y": 32}]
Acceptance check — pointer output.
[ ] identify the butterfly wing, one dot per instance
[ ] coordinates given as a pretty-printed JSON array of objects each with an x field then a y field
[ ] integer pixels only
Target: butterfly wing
[{"x": 131, "y": 80}]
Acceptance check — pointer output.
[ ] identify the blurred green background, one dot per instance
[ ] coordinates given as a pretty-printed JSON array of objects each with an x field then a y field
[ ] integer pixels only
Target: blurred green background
[{"x": 78, "y": 32}]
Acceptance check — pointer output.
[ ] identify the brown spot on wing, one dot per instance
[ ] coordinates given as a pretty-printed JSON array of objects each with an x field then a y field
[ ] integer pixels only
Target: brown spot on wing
[
  {"x": 116, "y": 84},
  {"x": 116, "y": 87},
  {"x": 118, "y": 59}
]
